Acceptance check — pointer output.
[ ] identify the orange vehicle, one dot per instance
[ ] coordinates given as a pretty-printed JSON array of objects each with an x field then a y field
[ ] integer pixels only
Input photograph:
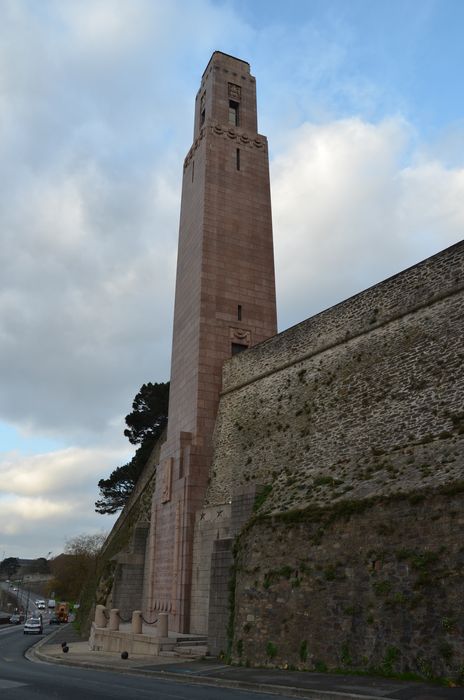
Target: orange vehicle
[{"x": 62, "y": 611}]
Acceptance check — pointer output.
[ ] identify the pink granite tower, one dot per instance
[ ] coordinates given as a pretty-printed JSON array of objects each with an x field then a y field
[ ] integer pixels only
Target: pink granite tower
[{"x": 225, "y": 302}]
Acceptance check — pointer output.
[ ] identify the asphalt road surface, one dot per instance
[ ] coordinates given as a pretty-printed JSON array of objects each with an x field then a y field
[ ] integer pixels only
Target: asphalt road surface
[
  {"x": 21, "y": 679},
  {"x": 25, "y": 599}
]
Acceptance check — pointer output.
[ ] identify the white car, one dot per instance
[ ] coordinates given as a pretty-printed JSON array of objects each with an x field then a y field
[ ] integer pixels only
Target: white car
[{"x": 33, "y": 626}]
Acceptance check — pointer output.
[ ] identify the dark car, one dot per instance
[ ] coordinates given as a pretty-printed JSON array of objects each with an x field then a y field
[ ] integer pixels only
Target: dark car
[
  {"x": 16, "y": 619},
  {"x": 54, "y": 620}
]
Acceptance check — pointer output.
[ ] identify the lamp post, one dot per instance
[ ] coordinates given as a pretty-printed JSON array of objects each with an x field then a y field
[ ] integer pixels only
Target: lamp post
[{"x": 27, "y": 600}]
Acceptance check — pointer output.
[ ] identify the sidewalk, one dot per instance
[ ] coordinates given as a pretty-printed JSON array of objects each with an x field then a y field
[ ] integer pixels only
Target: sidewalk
[{"x": 320, "y": 686}]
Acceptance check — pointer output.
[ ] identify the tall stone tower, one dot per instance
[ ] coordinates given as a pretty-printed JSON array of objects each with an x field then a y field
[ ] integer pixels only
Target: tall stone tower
[{"x": 225, "y": 302}]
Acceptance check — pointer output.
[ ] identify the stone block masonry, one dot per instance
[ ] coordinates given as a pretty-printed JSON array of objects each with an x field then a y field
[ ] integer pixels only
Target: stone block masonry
[
  {"x": 225, "y": 302},
  {"x": 218, "y": 613},
  {"x": 128, "y": 581}
]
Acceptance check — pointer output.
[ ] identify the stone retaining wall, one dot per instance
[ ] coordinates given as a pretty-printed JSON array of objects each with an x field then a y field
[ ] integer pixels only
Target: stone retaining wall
[
  {"x": 359, "y": 408},
  {"x": 380, "y": 588}
]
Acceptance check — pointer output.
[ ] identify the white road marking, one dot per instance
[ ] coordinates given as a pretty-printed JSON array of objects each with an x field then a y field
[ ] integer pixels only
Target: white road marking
[{"x": 7, "y": 685}]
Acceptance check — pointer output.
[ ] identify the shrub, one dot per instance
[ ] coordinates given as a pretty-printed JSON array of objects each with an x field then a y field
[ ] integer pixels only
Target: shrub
[
  {"x": 391, "y": 656},
  {"x": 271, "y": 650}
]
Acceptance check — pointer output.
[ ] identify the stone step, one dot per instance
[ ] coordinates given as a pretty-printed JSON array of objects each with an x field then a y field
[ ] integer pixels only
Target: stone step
[
  {"x": 191, "y": 643},
  {"x": 196, "y": 651}
]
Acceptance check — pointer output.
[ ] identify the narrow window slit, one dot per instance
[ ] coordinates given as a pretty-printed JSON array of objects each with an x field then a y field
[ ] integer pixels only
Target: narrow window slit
[{"x": 233, "y": 113}]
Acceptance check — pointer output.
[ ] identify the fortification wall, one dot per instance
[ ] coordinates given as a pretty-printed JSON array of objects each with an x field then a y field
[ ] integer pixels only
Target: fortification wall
[
  {"x": 379, "y": 588},
  {"x": 138, "y": 506},
  {"x": 121, "y": 564},
  {"x": 351, "y": 418},
  {"x": 362, "y": 399}
]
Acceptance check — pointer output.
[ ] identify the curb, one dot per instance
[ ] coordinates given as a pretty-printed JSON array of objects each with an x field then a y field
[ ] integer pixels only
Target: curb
[
  {"x": 34, "y": 653},
  {"x": 33, "y": 650}
]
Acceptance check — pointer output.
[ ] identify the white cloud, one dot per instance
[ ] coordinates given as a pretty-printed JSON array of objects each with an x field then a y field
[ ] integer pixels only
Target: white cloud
[
  {"x": 16, "y": 514},
  {"x": 352, "y": 204},
  {"x": 72, "y": 470},
  {"x": 107, "y": 26},
  {"x": 99, "y": 119},
  {"x": 96, "y": 106},
  {"x": 48, "y": 498},
  {"x": 433, "y": 201}
]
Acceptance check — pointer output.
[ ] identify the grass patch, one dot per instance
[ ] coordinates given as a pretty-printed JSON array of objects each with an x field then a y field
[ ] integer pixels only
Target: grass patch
[
  {"x": 304, "y": 651},
  {"x": 261, "y": 496},
  {"x": 271, "y": 650}
]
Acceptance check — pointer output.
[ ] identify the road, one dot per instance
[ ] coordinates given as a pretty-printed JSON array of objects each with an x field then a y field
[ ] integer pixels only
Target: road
[
  {"x": 25, "y": 599},
  {"x": 21, "y": 679}
]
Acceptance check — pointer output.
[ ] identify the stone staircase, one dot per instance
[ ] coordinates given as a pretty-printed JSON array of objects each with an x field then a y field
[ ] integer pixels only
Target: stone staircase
[{"x": 191, "y": 645}]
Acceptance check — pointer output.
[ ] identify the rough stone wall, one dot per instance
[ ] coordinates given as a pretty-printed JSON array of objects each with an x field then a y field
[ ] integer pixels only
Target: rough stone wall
[
  {"x": 129, "y": 574},
  {"x": 379, "y": 589},
  {"x": 365, "y": 398},
  {"x": 138, "y": 506},
  {"x": 357, "y": 410},
  {"x": 121, "y": 563}
]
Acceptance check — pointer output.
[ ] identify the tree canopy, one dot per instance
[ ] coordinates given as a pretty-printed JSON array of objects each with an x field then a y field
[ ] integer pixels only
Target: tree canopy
[
  {"x": 149, "y": 413},
  {"x": 145, "y": 424},
  {"x": 9, "y": 566},
  {"x": 88, "y": 546},
  {"x": 72, "y": 569}
]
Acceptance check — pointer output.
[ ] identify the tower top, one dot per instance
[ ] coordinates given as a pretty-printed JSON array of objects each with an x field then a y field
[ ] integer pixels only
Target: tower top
[
  {"x": 220, "y": 56},
  {"x": 227, "y": 95}
]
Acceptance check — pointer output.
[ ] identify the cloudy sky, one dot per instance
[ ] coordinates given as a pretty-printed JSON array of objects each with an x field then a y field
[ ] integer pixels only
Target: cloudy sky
[{"x": 362, "y": 103}]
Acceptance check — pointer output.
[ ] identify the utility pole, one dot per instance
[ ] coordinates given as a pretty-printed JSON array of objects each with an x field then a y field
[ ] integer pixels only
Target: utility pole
[{"x": 27, "y": 601}]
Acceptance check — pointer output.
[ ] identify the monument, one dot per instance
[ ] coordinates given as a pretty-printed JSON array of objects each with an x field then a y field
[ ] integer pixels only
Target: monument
[
  {"x": 224, "y": 304},
  {"x": 309, "y": 496}
]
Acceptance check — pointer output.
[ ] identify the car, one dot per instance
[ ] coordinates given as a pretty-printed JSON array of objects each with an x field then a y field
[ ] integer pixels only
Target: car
[
  {"x": 16, "y": 619},
  {"x": 33, "y": 626},
  {"x": 40, "y": 604},
  {"x": 54, "y": 620}
]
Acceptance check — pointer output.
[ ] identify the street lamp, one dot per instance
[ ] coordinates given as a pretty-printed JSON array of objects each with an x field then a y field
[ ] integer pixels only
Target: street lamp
[{"x": 27, "y": 601}]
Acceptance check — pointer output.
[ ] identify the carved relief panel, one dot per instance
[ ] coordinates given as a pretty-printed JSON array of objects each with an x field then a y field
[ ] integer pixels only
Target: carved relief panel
[
  {"x": 167, "y": 480},
  {"x": 235, "y": 92},
  {"x": 240, "y": 336}
]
